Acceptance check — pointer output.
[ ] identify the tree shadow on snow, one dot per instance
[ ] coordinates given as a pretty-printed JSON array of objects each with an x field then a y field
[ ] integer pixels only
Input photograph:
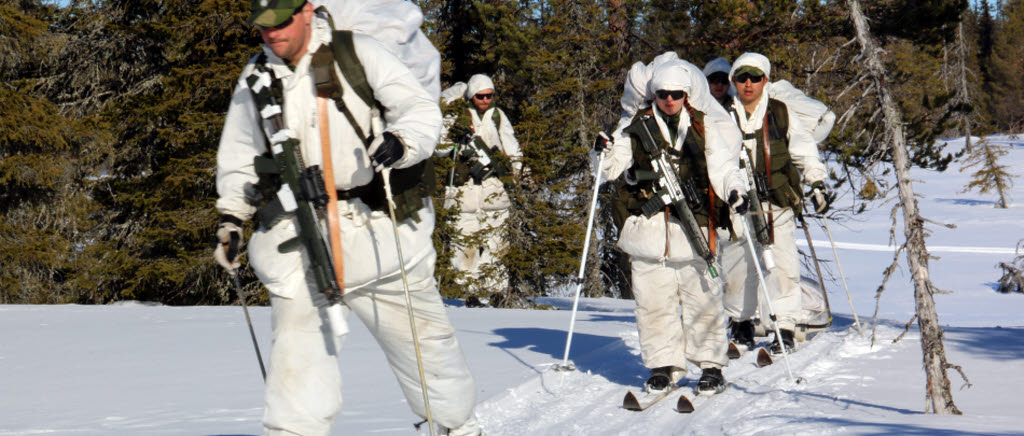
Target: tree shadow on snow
[
  {"x": 966, "y": 202},
  {"x": 879, "y": 428},
  {"x": 994, "y": 342},
  {"x": 606, "y": 356}
]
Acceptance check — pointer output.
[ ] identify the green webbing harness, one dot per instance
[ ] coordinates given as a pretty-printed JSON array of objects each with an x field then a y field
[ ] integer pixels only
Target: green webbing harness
[{"x": 409, "y": 185}]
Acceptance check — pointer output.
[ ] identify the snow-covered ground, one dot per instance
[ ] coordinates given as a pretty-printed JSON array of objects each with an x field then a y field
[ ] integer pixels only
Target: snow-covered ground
[{"x": 138, "y": 369}]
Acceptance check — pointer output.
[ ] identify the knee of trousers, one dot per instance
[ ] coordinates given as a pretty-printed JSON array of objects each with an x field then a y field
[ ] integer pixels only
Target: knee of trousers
[{"x": 450, "y": 385}]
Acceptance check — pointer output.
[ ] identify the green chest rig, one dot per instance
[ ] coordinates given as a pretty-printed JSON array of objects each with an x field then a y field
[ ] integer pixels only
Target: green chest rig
[{"x": 409, "y": 185}]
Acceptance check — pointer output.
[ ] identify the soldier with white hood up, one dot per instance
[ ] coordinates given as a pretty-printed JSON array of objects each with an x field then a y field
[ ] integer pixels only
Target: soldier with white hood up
[
  {"x": 717, "y": 72},
  {"x": 783, "y": 154},
  {"x": 303, "y": 386},
  {"x": 679, "y": 311},
  {"x": 487, "y": 157}
]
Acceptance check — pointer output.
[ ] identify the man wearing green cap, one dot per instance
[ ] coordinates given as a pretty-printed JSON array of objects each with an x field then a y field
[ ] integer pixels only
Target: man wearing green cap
[
  {"x": 783, "y": 153},
  {"x": 349, "y": 138}
]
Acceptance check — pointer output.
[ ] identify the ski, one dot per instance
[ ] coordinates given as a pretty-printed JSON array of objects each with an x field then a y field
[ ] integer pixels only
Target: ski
[
  {"x": 734, "y": 351},
  {"x": 688, "y": 405},
  {"x": 764, "y": 358},
  {"x": 631, "y": 402}
]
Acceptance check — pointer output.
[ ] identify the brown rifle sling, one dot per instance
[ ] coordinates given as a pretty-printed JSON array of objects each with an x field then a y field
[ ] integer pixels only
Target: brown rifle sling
[
  {"x": 768, "y": 175},
  {"x": 333, "y": 229}
]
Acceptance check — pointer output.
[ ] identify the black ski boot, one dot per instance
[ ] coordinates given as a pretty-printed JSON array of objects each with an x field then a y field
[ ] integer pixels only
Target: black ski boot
[
  {"x": 787, "y": 340},
  {"x": 660, "y": 379},
  {"x": 711, "y": 382},
  {"x": 743, "y": 333}
]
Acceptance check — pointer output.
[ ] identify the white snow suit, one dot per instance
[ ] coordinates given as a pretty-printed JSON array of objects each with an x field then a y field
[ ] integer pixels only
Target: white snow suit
[
  {"x": 784, "y": 280},
  {"x": 485, "y": 206},
  {"x": 669, "y": 279},
  {"x": 303, "y": 392}
]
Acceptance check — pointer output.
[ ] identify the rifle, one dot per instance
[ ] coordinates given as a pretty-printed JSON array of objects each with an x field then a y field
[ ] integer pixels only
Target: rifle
[
  {"x": 302, "y": 192},
  {"x": 682, "y": 197},
  {"x": 757, "y": 188}
]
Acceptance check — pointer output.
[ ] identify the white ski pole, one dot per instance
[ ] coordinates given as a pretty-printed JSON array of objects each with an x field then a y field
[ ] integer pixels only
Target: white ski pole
[
  {"x": 565, "y": 366},
  {"x": 386, "y": 173},
  {"x": 769, "y": 262},
  {"x": 377, "y": 126},
  {"x": 835, "y": 253}
]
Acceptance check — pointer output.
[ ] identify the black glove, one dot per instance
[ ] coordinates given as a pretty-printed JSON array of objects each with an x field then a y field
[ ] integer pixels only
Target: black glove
[
  {"x": 739, "y": 203},
  {"x": 460, "y": 135},
  {"x": 229, "y": 243},
  {"x": 821, "y": 198},
  {"x": 601, "y": 143},
  {"x": 385, "y": 150}
]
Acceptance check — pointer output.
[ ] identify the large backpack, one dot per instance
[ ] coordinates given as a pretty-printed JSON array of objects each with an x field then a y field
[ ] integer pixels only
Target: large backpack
[
  {"x": 813, "y": 114},
  {"x": 396, "y": 24}
]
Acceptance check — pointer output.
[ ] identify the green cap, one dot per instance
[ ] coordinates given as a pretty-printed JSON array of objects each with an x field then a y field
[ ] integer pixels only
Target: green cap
[
  {"x": 269, "y": 13},
  {"x": 749, "y": 69}
]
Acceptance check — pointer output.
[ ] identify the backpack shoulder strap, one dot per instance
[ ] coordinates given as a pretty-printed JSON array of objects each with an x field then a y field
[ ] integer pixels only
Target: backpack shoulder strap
[
  {"x": 779, "y": 117},
  {"x": 350, "y": 66}
]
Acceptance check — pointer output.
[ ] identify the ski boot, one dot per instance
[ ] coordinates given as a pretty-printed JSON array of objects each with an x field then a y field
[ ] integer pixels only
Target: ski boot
[
  {"x": 711, "y": 382},
  {"x": 743, "y": 333},
  {"x": 663, "y": 378},
  {"x": 787, "y": 341}
]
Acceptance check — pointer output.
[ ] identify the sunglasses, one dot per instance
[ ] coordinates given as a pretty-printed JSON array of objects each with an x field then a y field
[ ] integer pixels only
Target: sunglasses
[
  {"x": 747, "y": 76},
  {"x": 719, "y": 78},
  {"x": 284, "y": 23},
  {"x": 676, "y": 95},
  {"x": 484, "y": 96}
]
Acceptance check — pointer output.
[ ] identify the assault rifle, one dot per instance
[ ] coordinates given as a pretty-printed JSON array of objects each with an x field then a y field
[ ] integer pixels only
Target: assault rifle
[
  {"x": 302, "y": 192},
  {"x": 757, "y": 189},
  {"x": 482, "y": 165},
  {"x": 682, "y": 197}
]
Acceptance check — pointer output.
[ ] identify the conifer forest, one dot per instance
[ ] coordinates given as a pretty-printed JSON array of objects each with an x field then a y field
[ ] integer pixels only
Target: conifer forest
[{"x": 112, "y": 111}]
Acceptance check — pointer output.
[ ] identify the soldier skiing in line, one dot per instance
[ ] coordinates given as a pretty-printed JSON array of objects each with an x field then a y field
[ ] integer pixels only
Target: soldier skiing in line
[
  {"x": 717, "y": 73},
  {"x": 780, "y": 150},
  {"x": 679, "y": 311},
  {"x": 298, "y": 63},
  {"x": 486, "y": 154}
]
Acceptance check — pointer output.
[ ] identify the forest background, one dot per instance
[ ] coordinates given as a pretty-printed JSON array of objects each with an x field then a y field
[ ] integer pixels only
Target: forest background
[{"x": 112, "y": 111}]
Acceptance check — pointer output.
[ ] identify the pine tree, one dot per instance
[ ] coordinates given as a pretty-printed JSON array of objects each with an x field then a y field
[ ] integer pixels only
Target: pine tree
[
  {"x": 1007, "y": 68},
  {"x": 991, "y": 174},
  {"x": 45, "y": 161}
]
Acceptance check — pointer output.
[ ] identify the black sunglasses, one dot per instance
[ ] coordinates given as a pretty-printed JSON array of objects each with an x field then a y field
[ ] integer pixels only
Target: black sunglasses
[
  {"x": 676, "y": 95},
  {"x": 747, "y": 76},
  {"x": 284, "y": 23},
  {"x": 719, "y": 78},
  {"x": 484, "y": 96}
]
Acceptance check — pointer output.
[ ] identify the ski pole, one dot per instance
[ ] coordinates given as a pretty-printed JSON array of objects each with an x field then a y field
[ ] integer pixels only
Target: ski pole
[
  {"x": 386, "y": 173},
  {"x": 455, "y": 156},
  {"x": 835, "y": 253},
  {"x": 256, "y": 345},
  {"x": 565, "y": 366},
  {"x": 769, "y": 262},
  {"x": 817, "y": 266}
]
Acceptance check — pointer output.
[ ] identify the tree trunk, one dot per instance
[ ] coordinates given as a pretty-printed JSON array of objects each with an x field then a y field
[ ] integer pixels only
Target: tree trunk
[{"x": 938, "y": 396}]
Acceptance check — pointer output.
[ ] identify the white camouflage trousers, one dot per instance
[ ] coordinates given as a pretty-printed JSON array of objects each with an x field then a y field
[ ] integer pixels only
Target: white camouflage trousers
[
  {"x": 480, "y": 261},
  {"x": 303, "y": 392},
  {"x": 741, "y": 281},
  {"x": 666, "y": 290}
]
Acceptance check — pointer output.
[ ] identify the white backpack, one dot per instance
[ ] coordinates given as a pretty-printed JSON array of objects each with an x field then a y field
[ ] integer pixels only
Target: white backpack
[
  {"x": 813, "y": 114},
  {"x": 396, "y": 24}
]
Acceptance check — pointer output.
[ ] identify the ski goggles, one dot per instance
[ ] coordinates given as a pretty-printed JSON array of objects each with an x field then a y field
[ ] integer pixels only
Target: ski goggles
[
  {"x": 481, "y": 97},
  {"x": 664, "y": 95},
  {"x": 747, "y": 76}
]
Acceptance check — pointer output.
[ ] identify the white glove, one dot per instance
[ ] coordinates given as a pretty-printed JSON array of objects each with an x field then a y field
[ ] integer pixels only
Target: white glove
[{"x": 229, "y": 244}]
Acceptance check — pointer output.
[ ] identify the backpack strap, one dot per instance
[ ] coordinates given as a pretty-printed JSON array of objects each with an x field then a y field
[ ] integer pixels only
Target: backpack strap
[{"x": 351, "y": 67}]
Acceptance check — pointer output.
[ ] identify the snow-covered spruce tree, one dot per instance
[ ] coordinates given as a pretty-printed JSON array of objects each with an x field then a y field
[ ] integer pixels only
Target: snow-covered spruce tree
[
  {"x": 991, "y": 174},
  {"x": 939, "y": 399}
]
